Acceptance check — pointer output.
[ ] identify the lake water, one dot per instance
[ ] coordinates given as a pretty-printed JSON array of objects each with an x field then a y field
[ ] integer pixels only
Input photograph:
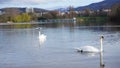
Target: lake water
[{"x": 20, "y": 48}]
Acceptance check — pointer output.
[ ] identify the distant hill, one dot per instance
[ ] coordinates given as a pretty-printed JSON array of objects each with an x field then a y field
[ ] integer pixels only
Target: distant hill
[
  {"x": 40, "y": 10},
  {"x": 99, "y": 5},
  {"x": 62, "y": 9}
]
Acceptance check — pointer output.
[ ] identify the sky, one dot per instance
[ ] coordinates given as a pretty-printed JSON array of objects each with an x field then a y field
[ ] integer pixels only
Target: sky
[{"x": 45, "y": 4}]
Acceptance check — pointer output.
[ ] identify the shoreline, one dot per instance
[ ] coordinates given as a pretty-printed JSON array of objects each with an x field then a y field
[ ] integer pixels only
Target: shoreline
[
  {"x": 2, "y": 24},
  {"x": 40, "y": 23}
]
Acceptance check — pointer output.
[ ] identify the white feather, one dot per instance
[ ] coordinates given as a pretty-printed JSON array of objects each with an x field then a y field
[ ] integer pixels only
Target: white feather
[
  {"x": 42, "y": 38},
  {"x": 91, "y": 48}
]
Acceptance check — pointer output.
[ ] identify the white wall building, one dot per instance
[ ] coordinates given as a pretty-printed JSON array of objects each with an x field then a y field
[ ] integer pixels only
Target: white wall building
[{"x": 29, "y": 10}]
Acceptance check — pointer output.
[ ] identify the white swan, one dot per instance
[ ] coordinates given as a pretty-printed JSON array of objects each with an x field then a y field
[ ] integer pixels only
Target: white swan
[
  {"x": 91, "y": 49},
  {"x": 42, "y": 38}
]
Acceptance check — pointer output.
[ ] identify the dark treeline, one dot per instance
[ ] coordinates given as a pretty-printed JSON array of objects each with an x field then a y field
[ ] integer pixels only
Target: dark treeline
[{"x": 115, "y": 13}]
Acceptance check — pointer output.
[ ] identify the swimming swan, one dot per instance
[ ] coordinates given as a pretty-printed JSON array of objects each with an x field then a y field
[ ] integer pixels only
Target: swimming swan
[
  {"x": 42, "y": 38},
  {"x": 92, "y": 49}
]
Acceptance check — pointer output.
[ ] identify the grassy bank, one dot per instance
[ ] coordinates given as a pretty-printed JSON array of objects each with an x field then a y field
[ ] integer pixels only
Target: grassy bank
[{"x": 92, "y": 20}]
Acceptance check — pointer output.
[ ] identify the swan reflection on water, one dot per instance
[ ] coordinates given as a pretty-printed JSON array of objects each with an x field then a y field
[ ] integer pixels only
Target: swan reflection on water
[
  {"x": 88, "y": 53},
  {"x": 102, "y": 65}
]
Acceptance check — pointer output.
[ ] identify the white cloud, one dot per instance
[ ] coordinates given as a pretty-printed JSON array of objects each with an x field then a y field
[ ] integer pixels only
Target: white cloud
[
  {"x": 35, "y": 1},
  {"x": 45, "y": 3}
]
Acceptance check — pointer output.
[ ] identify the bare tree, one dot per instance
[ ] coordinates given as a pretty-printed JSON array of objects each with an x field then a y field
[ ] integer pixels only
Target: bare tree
[
  {"x": 87, "y": 12},
  {"x": 10, "y": 13},
  {"x": 115, "y": 12}
]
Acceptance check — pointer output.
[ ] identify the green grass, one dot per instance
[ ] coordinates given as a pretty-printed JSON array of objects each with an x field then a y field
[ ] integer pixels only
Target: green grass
[{"x": 92, "y": 20}]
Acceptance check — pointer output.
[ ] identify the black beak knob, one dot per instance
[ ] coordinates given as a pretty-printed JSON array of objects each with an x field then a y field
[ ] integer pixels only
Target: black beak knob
[{"x": 102, "y": 37}]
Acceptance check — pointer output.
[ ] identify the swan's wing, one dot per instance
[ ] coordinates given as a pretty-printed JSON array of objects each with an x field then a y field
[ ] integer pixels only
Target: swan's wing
[
  {"x": 42, "y": 37},
  {"x": 89, "y": 49}
]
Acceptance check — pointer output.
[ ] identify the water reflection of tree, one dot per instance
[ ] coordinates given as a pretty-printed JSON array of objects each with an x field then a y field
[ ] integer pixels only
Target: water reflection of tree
[{"x": 106, "y": 28}]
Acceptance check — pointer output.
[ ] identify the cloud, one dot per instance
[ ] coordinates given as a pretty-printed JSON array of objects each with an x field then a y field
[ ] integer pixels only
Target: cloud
[
  {"x": 29, "y": 1},
  {"x": 4, "y": 1},
  {"x": 37, "y": 2},
  {"x": 45, "y": 3}
]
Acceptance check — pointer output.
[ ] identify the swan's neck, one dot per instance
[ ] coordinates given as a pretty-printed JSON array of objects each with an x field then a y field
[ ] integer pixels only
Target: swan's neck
[{"x": 101, "y": 45}]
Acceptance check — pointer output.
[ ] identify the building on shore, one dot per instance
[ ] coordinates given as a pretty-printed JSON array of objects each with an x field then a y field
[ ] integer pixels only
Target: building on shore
[{"x": 29, "y": 10}]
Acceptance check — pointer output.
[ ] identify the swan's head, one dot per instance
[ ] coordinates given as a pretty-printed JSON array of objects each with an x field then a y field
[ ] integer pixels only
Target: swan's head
[{"x": 102, "y": 37}]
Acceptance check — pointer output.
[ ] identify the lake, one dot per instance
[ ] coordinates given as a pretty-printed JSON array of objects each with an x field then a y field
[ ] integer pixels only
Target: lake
[{"x": 20, "y": 48}]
